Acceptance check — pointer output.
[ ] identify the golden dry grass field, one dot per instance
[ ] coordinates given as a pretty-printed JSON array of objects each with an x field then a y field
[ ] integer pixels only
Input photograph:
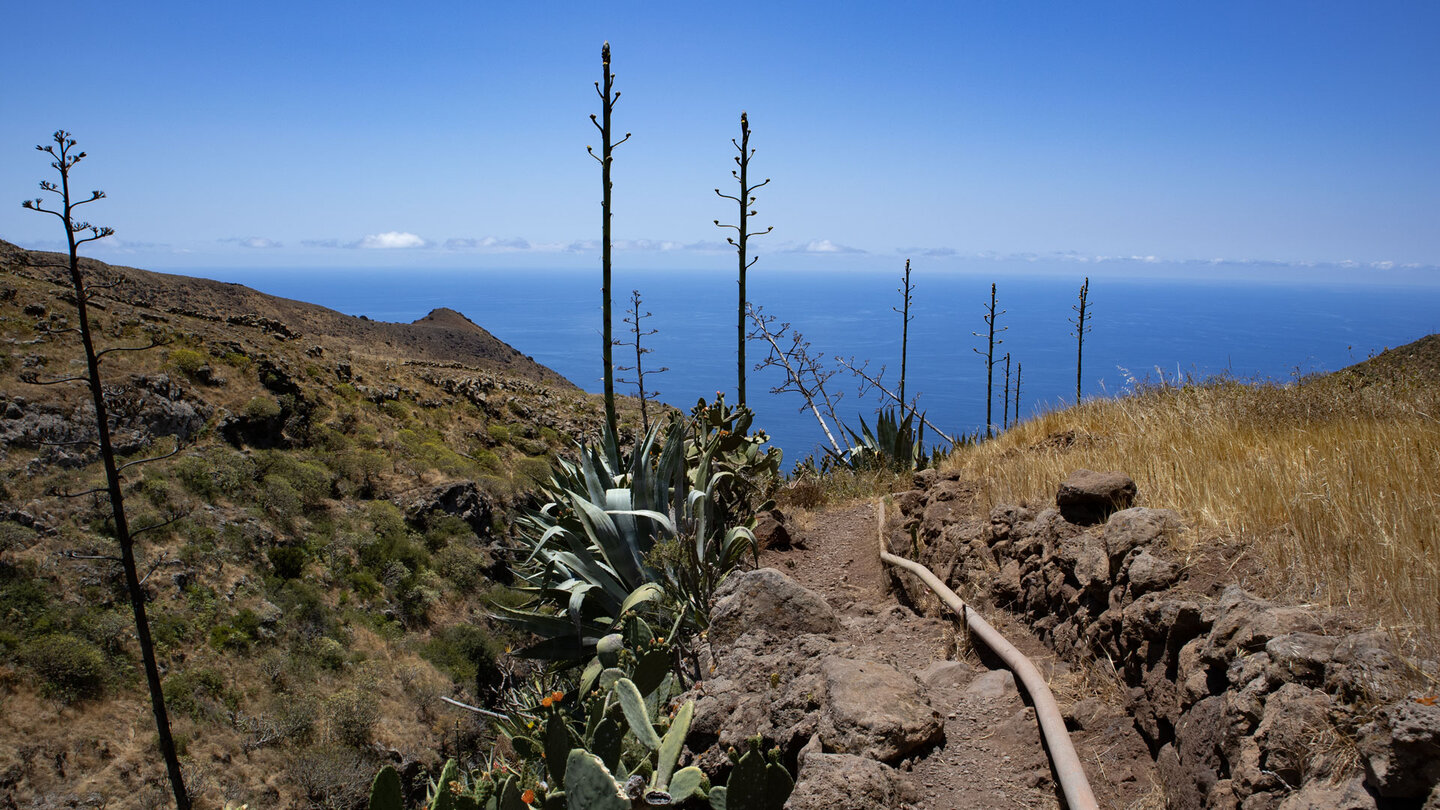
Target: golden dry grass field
[{"x": 1332, "y": 482}]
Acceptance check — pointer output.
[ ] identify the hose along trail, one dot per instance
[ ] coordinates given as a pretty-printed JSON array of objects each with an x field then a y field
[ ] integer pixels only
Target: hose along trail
[
  {"x": 1068, "y": 770},
  {"x": 994, "y": 754}
]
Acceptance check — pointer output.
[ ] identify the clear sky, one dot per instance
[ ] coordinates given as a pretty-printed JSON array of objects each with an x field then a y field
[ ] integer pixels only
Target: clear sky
[{"x": 297, "y": 134}]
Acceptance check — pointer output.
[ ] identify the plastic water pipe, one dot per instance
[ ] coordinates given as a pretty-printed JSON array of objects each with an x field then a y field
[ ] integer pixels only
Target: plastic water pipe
[{"x": 1073, "y": 784}]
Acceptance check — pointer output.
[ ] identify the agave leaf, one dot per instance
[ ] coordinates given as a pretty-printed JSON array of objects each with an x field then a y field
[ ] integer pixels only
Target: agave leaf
[
  {"x": 601, "y": 530},
  {"x": 649, "y": 592}
]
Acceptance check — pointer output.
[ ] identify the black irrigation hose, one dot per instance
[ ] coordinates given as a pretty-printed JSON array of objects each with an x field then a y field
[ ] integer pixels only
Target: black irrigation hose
[{"x": 1069, "y": 772}]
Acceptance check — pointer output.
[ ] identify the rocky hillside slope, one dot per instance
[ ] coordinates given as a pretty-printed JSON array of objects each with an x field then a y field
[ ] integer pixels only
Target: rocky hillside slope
[{"x": 321, "y": 548}]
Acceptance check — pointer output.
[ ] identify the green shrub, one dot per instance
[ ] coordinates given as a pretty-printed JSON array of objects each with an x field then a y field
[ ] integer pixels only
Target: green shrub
[
  {"x": 216, "y": 472},
  {"x": 499, "y": 434},
  {"x": 463, "y": 565},
  {"x": 279, "y": 498},
  {"x": 533, "y": 472},
  {"x": 351, "y": 714},
  {"x": 467, "y": 653},
  {"x": 443, "y": 529},
  {"x": 188, "y": 361},
  {"x": 288, "y": 561},
  {"x": 200, "y": 693},
  {"x": 395, "y": 409},
  {"x": 242, "y": 630},
  {"x": 238, "y": 360},
  {"x": 329, "y": 653},
  {"x": 364, "y": 584},
  {"x": 15, "y": 536},
  {"x": 306, "y": 613},
  {"x": 262, "y": 408},
  {"x": 71, "y": 668}
]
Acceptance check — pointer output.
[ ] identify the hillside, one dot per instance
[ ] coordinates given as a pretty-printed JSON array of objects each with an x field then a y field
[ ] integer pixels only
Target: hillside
[
  {"x": 443, "y": 336},
  {"x": 322, "y": 547}
]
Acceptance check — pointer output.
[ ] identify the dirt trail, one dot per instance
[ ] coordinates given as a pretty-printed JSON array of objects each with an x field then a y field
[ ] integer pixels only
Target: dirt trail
[{"x": 993, "y": 756}]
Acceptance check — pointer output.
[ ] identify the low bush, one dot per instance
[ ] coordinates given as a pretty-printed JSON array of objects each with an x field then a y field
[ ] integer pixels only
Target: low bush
[
  {"x": 70, "y": 668},
  {"x": 287, "y": 561},
  {"x": 188, "y": 361},
  {"x": 467, "y": 653}
]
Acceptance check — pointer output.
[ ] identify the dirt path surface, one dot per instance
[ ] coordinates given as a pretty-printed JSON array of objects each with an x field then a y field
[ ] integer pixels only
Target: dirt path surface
[{"x": 992, "y": 756}]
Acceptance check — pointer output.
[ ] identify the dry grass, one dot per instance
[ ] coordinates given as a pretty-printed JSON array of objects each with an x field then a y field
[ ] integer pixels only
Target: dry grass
[{"x": 1333, "y": 481}]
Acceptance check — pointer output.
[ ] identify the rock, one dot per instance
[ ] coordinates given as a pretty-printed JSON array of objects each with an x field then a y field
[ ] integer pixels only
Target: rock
[
  {"x": 1083, "y": 714},
  {"x": 1295, "y": 717},
  {"x": 1150, "y": 573},
  {"x": 1300, "y": 657},
  {"x": 461, "y": 499},
  {"x": 771, "y": 532},
  {"x": 1323, "y": 795},
  {"x": 910, "y": 502},
  {"x": 946, "y": 674},
  {"x": 1087, "y": 497},
  {"x": 848, "y": 782},
  {"x": 875, "y": 710},
  {"x": 1091, "y": 565},
  {"x": 1130, "y": 529},
  {"x": 767, "y": 601},
  {"x": 1363, "y": 668},
  {"x": 1242, "y": 623},
  {"x": 1401, "y": 750},
  {"x": 997, "y": 683}
]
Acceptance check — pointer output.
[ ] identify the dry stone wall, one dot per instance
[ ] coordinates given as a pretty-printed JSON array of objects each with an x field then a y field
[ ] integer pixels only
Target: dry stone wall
[{"x": 1243, "y": 703}]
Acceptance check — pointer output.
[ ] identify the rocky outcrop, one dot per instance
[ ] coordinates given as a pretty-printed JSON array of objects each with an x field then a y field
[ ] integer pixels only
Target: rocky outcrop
[
  {"x": 1242, "y": 702},
  {"x": 460, "y": 499},
  {"x": 778, "y": 667},
  {"x": 142, "y": 409}
]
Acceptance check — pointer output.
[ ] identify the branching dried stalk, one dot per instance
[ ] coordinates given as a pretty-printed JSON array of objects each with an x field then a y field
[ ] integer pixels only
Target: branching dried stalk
[
  {"x": 876, "y": 383},
  {"x": 805, "y": 373},
  {"x": 64, "y": 158}
]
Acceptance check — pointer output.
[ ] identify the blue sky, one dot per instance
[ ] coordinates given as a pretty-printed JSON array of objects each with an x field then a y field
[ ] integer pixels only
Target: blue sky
[{"x": 265, "y": 134}]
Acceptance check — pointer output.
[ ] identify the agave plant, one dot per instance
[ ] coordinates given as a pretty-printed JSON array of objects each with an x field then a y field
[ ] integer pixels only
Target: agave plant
[
  {"x": 589, "y": 555},
  {"x": 895, "y": 443}
]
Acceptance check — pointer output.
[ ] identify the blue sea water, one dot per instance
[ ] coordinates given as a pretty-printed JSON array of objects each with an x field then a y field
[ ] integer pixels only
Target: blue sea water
[{"x": 1142, "y": 327}]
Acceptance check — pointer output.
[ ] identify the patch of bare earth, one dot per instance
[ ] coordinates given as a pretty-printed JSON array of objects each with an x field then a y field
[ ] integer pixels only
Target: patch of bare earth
[{"x": 992, "y": 756}]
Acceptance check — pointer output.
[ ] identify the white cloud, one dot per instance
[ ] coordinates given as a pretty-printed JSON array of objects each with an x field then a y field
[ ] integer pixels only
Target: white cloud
[
  {"x": 490, "y": 243},
  {"x": 391, "y": 239},
  {"x": 821, "y": 246},
  {"x": 931, "y": 252},
  {"x": 253, "y": 242}
]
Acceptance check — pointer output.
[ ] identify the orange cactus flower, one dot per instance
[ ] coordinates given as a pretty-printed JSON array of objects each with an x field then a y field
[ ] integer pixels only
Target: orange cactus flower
[
  {"x": 528, "y": 796},
  {"x": 547, "y": 701},
  {"x": 557, "y": 696}
]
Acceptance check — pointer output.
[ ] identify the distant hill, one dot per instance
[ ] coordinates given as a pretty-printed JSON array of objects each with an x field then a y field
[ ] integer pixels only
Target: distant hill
[
  {"x": 443, "y": 336},
  {"x": 1418, "y": 359}
]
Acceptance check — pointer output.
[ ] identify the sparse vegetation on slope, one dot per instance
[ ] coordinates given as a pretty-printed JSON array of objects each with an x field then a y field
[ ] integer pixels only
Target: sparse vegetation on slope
[
  {"x": 329, "y": 538},
  {"x": 1331, "y": 482}
]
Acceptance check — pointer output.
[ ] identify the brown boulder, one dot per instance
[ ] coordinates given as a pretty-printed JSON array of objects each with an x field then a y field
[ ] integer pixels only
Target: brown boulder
[
  {"x": 875, "y": 710},
  {"x": 769, "y": 602},
  {"x": 848, "y": 782},
  {"x": 1087, "y": 497},
  {"x": 771, "y": 532}
]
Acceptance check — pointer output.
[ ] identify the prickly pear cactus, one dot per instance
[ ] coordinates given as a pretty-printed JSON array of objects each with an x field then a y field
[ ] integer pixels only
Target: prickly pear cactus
[
  {"x": 589, "y": 784},
  {"x": 758, "y": 782},
  {"x": 385, "y": 791}
]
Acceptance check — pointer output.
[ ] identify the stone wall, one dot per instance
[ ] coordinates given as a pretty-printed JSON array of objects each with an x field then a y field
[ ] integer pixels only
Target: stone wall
[{"x": 1244, "y": 703}]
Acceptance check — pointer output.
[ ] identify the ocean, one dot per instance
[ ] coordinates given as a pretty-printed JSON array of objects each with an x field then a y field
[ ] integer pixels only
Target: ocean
[{"x": 1176, "y": 325}]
